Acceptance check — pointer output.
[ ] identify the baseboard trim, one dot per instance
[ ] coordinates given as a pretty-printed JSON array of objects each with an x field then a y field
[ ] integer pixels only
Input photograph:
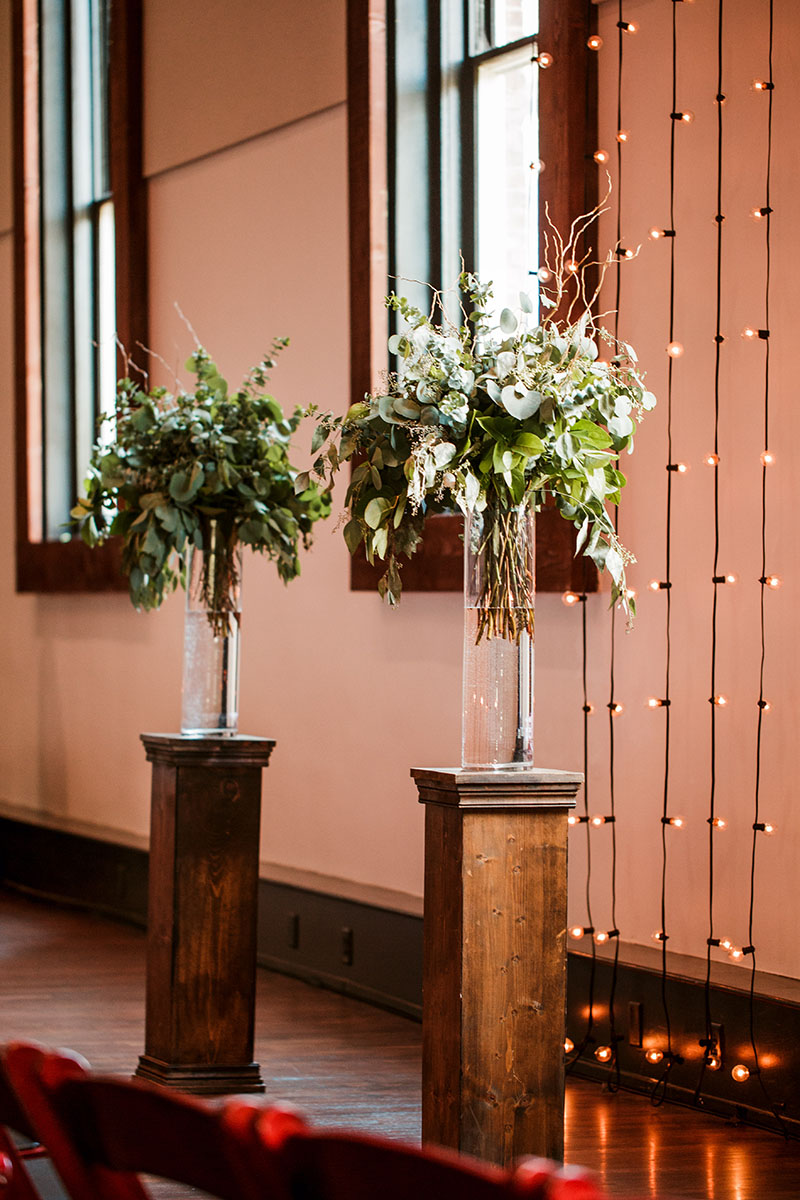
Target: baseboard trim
[{"x": 374, "y": 954}]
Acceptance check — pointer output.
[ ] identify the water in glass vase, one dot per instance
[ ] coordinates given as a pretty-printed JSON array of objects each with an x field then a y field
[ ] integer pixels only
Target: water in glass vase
[
  {"x": 497, "y": 730},
  {"x": 210, "y": 677}
]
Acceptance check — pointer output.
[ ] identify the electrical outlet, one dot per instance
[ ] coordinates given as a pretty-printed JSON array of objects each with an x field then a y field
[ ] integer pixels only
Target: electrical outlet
[
  {"x": 635, "y": 1023},
  {"x": 293, "y": 931},
  {"x": 347, "y": 946}
]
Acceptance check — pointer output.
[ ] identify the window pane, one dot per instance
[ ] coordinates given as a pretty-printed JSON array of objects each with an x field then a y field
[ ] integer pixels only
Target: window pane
[
  {"x": 410, "y": 152},
  {"x": 106, "y": 310},
  {"x": 514, "y": 19},
  {"x": 77, "y": 271},
  {"x": 508, "y": 179},
  {"x": 57, "y": 280}
]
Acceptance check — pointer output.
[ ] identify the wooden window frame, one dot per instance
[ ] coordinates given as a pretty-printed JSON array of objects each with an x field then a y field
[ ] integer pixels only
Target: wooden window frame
[
  {"x": 567, "y": 135},
  {"x": 53, "y": 566}
]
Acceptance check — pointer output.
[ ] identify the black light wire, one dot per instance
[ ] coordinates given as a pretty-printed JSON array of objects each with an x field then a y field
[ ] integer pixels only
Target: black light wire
[
  {"x": 658, "y": 1092},
  {"x": 711, "y": 941},
  {"x": 613, "y": 1080},
  {"x": 774, "y": 1108},
  {"x": 588, "y": 1037}
]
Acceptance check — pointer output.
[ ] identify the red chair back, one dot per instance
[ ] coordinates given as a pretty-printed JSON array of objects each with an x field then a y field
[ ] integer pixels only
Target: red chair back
[
  {"x": 103, "y": 1132},
  {"x": 15, "y": 1182},
  {"x": 342, "y": 1166}
]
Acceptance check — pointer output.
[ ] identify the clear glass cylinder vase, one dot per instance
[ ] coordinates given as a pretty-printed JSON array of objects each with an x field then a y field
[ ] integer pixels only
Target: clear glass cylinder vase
[
  {"x": 210, "y": 704},
  {"x": 499, "y": 589}
]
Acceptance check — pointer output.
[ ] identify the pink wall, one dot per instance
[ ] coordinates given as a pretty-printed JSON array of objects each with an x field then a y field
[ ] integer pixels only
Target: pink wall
[{"x": 251, "y": 241}]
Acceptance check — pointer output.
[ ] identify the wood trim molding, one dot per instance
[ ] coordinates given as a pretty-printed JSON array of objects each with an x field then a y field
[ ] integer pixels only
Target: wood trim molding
[
  {"x": 45, "y": 566},
  {"x": 568, "y": 108}
]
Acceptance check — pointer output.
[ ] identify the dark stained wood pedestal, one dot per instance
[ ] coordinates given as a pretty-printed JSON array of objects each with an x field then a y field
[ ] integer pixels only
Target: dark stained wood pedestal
[
  {"x": 201, "y": 935},
  {"x": 494, "y": 974}
]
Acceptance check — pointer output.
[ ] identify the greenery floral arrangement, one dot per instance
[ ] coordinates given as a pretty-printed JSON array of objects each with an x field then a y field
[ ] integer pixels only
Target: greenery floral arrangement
[
  {"x": 176, "y": 467},
  {"x": 487, "y": 417}
]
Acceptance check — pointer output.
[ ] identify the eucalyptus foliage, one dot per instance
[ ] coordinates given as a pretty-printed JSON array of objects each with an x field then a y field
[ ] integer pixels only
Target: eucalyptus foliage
[
  {"x": 173, "y": 464},
  {"x": 487, "y": 416}
]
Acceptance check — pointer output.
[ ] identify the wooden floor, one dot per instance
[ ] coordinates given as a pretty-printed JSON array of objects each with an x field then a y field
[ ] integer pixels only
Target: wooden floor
[{"x": 71, "y": 979}]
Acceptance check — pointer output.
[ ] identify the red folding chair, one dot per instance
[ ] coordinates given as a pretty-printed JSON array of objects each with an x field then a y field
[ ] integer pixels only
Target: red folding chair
[
  {"x": 342, "y": 1166},
  {"x": 102, "y": 1133},
  {"x": 18, "y": 1145}
]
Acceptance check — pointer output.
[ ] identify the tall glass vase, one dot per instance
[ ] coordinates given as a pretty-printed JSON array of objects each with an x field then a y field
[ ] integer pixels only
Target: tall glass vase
[
  {"x": 211, "y": 638},
  {"x": 499, "y": 587}
]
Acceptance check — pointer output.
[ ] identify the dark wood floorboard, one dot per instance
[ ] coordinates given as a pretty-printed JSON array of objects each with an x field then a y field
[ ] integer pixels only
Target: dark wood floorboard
[{"x": 72, "y": 979}]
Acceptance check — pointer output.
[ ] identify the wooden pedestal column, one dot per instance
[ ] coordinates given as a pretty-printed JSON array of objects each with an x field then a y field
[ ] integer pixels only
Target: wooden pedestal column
[
  {"x": 201, "y": 935},
  {"x": 494, "y": 974}
]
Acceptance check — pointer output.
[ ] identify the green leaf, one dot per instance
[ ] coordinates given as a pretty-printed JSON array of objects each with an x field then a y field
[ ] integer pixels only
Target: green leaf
[
  {"x": 353, "y": 535},
  {"x": 508, "y": 322},
  {"x": 375, "y": 511},
  {"x": 521, "y": 407}
]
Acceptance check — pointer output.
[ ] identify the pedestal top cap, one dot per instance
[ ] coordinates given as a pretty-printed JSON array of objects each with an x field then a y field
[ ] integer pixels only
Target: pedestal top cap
[
  {"x": 526, "y": 787},
  {"x": 223, "y": 750}
]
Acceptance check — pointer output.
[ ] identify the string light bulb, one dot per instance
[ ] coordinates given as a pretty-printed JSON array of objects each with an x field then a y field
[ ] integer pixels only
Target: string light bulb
[
  {"x": 544, "y": 274},
  {"x": 572, "y": 267},
  {"x": 771, "y": 581},
  {"x": 654, "y": 702},
  {"x": 711, "y": 460},
  {"x": 604, "y": 1054},
  {"x": 595, "y": 42},
  {"x": 628, "y": 26},
  {"x": 658, "y": 935},
  {"x": 718, "y": 823},
  {"x": 544, "y": 60},
  {"x": 601, "y": 937},
  {"x": 675, "y": 349},
  {"x": 741, "y": 1073},
  {"x": 576, "y": 932},
  {"x": 654, "y": 1056},
  {"x": 570, "y": 599},
  {"x": 616, "y": 708},
  {"x": 675, "y": 822},
  {"x": 537, "y": 165},
  {"x": 758, "y": 214},
  {"x": 725, "y": 943},
  {"x": 765, "y": 827},
  {"x": 765, "y": 705},
  {"x": 601, "y": 156},
  {"x": 762, "y": 85},
  {"x": 713, "y": 1062},
  {"x": 719, "y": 701},
  {"x": 569, "y": 1045},
  {"x": 736, "y": 953},
  {"x": 767, "y": 458},
  {"x": 623, "y": 135}
]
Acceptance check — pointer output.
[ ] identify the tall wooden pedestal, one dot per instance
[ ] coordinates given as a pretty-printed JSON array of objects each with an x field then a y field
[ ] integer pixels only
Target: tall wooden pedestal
[
  {"x": 494, "y": 974},
  {"x": 201, "y": 936}
]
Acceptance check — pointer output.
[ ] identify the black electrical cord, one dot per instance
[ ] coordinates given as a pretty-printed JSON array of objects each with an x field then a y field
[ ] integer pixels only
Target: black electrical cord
[{"x": 757, "y": 799}]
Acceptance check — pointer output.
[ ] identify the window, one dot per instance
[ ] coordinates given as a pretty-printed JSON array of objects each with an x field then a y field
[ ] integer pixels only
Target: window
[
  {"x": 456, "y": 143},
  {"x": 80, "y": 267}
]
